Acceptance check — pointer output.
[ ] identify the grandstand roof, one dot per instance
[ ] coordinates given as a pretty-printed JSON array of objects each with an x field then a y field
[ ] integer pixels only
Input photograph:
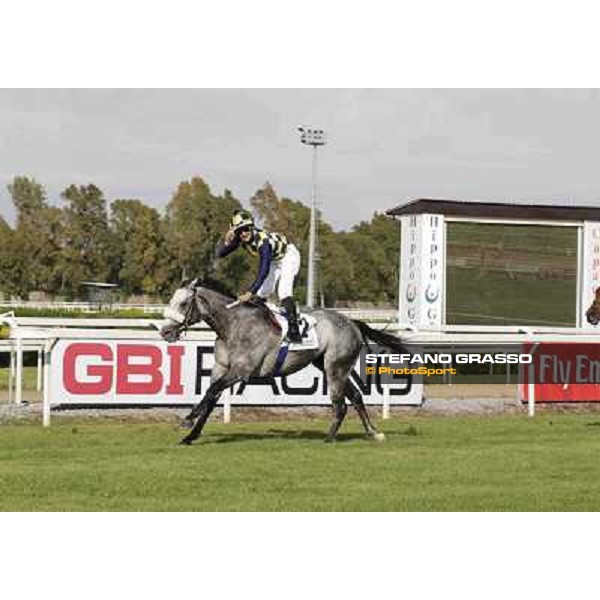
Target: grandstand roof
[{"x": 496, "y": 210}]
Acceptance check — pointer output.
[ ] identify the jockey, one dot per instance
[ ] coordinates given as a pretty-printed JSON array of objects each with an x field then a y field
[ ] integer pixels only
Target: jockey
[{"x": 279, "y": 264}]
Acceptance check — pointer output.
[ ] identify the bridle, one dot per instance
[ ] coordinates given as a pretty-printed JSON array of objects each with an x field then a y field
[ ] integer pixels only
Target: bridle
[
  {"x": 187, "y": 316},
  {"x": 182, "y": 321}
]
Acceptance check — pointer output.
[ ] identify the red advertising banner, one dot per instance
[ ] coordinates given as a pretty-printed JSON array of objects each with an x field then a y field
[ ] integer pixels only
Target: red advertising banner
[{"x": 562, "y": 372}]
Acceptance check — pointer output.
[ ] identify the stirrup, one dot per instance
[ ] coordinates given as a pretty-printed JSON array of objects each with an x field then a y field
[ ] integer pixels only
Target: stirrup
[{"x": 294, "y": 335}]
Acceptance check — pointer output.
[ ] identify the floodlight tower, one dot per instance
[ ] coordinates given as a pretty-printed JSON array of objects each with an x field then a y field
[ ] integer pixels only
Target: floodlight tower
[{"x": 315, "y": 138}]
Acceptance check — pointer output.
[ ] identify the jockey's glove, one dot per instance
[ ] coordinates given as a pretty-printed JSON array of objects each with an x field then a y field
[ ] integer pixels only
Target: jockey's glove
[
  {"x": 229, "y": 236},
  {"x": 246, "y": 297}
]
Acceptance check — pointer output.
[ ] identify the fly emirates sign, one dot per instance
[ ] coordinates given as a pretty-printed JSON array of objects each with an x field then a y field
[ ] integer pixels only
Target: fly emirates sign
[
  {"x": 563, "y": 372},
  {"x": 141, "y": 372}
]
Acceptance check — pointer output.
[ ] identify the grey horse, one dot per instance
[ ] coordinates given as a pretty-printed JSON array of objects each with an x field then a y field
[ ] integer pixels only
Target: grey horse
[{"x": 248, "y": 344}]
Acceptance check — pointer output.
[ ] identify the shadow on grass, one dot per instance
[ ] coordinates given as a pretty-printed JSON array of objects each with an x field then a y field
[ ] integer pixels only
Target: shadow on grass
[
  {"x": 294, "y": 434},
  {"x": 277, "y": 434}
]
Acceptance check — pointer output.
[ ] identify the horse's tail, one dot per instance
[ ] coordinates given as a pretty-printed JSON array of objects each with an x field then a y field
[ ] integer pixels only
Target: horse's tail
[{"x": 380, "y": 337}]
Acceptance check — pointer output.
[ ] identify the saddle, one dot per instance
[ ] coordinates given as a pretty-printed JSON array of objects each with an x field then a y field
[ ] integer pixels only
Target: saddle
[{"x": 277, "y": 318}]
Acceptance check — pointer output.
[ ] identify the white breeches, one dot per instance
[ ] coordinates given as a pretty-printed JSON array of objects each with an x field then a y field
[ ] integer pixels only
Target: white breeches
[{"x": 282, "y": 274}]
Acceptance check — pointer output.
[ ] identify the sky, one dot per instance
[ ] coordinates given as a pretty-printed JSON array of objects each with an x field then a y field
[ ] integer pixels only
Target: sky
[{"x": 384, "y": 147}]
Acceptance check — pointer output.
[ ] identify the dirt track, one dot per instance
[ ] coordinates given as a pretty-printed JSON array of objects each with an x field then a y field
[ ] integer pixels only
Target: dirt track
[{"x": 439, "y": 399}]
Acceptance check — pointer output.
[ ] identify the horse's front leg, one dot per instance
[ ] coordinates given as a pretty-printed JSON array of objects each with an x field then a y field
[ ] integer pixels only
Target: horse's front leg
[
  {"x": 205, "y": 408},
  {"x": 219, "y": 370},
  {"x": 190, "y": 419},
  {"x": 225, "y": 373}
]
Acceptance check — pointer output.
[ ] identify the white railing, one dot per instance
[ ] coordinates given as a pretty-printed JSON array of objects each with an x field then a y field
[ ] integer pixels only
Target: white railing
[
  {"x": 80, "y": 306},
  {"x": 364, "y": 314},
  {"x": 370, "y": 314}
]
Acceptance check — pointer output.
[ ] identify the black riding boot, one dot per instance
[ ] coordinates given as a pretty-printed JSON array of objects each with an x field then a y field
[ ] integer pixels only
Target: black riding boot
[{"x": 293, "y": 329}]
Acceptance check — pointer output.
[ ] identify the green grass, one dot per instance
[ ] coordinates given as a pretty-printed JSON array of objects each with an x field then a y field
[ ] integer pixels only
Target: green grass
[
  {"x": 29, "y": 378},
  {"x": 519, "y": 302},
  {"x": 427, "y": 463}
]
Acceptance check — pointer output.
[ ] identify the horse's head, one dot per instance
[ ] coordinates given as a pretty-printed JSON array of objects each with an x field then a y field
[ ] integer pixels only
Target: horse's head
[
  {"x": 182, "y": 312},
  {"x": 593, "y": 312}
]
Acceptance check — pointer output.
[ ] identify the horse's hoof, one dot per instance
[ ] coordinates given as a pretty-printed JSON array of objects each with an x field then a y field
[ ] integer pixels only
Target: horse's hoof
[
  {"x": 185, "y": 442},
  {"x": 379, "y": 437},
  {"x": 329, "y": 440},
  {"x": 186, "y": 424}
]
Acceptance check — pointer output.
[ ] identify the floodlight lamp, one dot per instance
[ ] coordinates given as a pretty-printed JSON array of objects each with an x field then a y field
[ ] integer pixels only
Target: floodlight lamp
[{"x": 311, "y": 137}]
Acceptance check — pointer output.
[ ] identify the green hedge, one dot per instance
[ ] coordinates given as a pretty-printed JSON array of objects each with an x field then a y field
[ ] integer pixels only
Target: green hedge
[{"x": 131, "y": 313}]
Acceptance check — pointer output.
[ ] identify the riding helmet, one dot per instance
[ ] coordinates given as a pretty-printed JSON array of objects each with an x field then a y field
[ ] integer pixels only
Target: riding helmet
[{"x": 241, "y": 219}]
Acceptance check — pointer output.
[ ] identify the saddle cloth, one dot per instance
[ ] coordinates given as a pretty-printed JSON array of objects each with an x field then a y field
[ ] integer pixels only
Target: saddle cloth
[{"x": 306, "y": 323}]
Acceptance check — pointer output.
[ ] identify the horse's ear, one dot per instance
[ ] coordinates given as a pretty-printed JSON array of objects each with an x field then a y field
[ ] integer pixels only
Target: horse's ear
[{"x": 193, "y": 284}]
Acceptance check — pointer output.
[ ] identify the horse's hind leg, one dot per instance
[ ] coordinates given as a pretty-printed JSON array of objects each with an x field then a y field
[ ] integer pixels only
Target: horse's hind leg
[
  {"x": 336, "y": 380},
  {"x": 339, "y": 412},
  {"x": 337, "y": 398},
  {"x": 353, "y": 394}
]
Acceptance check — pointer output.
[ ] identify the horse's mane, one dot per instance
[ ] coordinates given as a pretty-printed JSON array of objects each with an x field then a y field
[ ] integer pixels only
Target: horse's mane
[
  {"x": 216, "y": 286},
  {"x": 221, "y": 288}
]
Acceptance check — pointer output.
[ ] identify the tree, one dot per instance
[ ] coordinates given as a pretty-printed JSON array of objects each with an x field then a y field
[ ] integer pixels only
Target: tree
[
  {"x": 373, "y": 248},
  {"x": 86, "y": 253},
  {"x": 39, "y": 229},
  {"x": 29, "y": 198},
  {"x": 195, "y": 221},
  {"x": 138, "y": 247},
  {"x": 12, "y": 262},
  {"x": 54, "y": 249},
  {"x": 337, "y": 273},
  {"x": 270, "y": 211},
  {"x": 53, "y": 231}
]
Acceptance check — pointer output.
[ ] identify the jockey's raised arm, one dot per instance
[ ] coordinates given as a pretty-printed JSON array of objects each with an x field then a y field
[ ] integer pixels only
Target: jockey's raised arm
[{"x": 230, "y": 244}]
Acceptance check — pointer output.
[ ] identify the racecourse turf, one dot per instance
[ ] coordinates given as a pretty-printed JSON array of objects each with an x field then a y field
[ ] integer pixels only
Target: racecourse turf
[{"x": 429, "y": 463}]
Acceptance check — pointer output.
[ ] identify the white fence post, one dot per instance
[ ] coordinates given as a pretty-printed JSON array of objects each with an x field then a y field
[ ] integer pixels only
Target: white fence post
[
  {"x": 11, "y": 375},
  {"x": 386, "y": 402},
  {"x": 19, "y": 378},
  {"x": 46, "y": 405},
  {"x": 531, "y": 383},
  {"x": 39, "y": 370},
  {"x": 531, "y": 392},
  {"x": 227, "y": 405}
]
